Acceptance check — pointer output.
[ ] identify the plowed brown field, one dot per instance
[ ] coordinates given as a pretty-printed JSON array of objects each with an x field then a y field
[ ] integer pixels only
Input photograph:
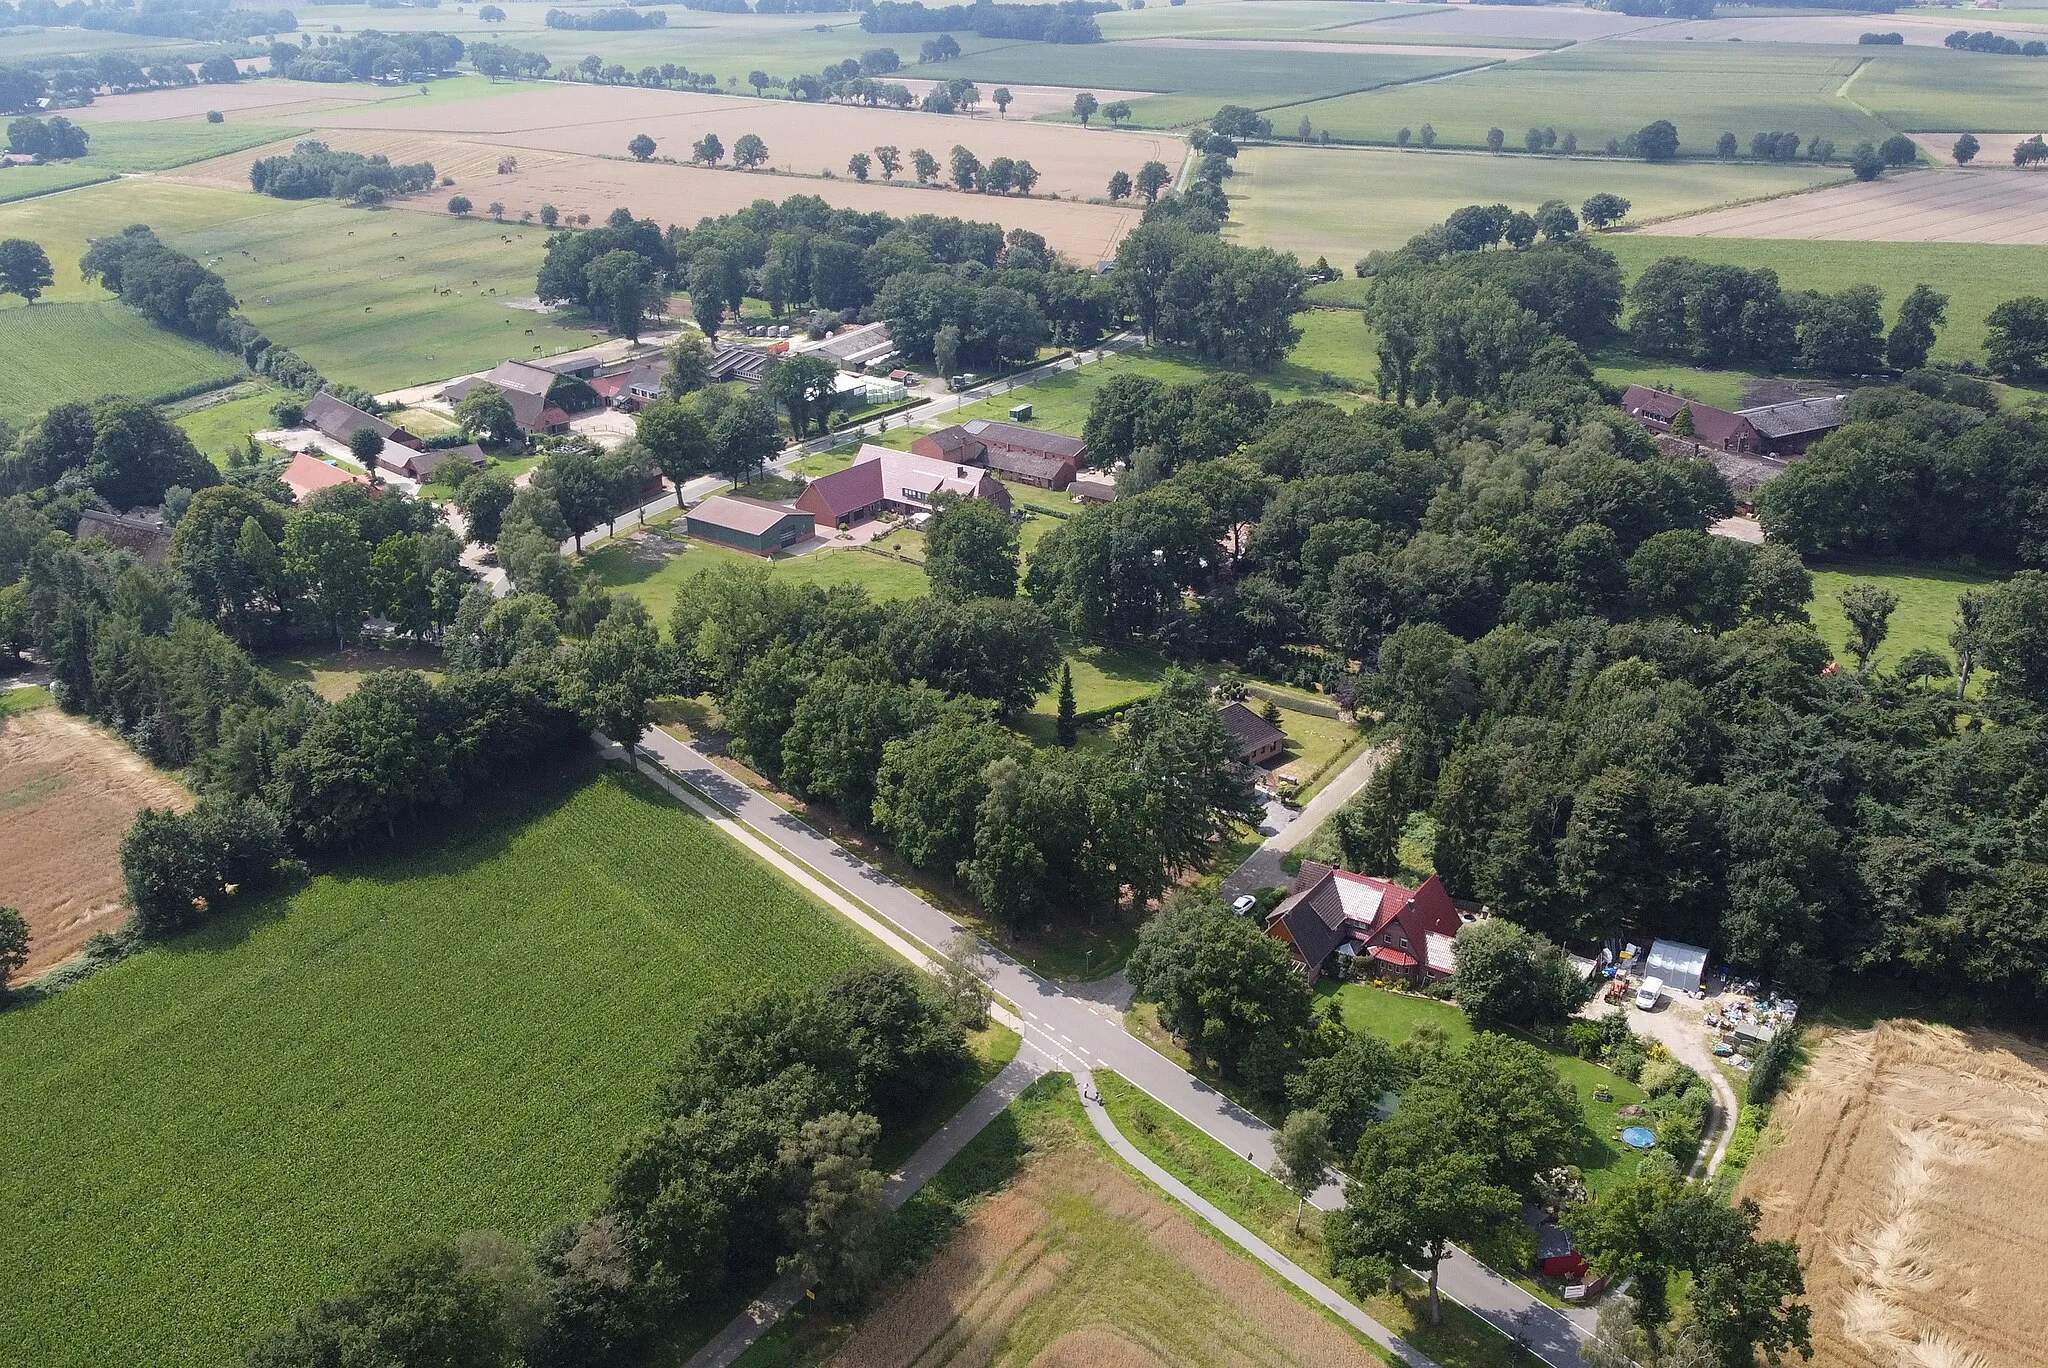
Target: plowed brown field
[
  {"x": 68, "y": 793},
  {"x": 1910, "y": 1164},
  {"x": 1077, "y": 1265}
]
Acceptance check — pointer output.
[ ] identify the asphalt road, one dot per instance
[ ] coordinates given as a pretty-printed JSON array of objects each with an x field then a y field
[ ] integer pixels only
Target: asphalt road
[{"x": 1082, "y": 1035}]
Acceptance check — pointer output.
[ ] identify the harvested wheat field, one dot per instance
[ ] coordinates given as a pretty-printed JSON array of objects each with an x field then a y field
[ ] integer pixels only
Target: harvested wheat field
[
  {"x": 1911, "y": 1165},
  {"x": 273, "y": 100},
  {"x": 802, "y": 137},
  {"x": 1985, "y": 205},
  {"x": 1076, "y": 1266},
  {"x": 68, "y": 793}
]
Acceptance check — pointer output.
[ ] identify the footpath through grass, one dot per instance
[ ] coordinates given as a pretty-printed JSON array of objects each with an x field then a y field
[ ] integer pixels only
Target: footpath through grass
[{"x": 205, "y": 1136}]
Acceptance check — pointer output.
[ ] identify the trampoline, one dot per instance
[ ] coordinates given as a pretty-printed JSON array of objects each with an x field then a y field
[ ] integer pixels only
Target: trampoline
[{"x": 1639, "y": 1137}]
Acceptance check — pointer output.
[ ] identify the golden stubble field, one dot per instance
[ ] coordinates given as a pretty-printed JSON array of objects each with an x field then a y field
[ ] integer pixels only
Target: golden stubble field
[
  {"x": 1987, "y": 204},
  {"x": 568, "y": 142},
  {"x": 1911, "y": 1164},
  {"x": 1077, "y": 1266},
  {"x": 68, "y": 794}
]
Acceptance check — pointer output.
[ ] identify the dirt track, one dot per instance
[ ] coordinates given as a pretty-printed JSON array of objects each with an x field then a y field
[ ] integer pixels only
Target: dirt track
[
  {"x": 68, "y": 793},
  {"x": 1911, "y": 1164},
  {"x": 1987, "y": 205}
]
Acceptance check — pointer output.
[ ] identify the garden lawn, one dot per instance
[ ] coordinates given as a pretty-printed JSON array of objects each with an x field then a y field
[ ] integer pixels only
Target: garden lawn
[
  {"x": 211, "y": 1133},
  {"x": 1394, "y": 1016},
  {"x": 218, "y": 428},
  {"x": 1924, "y": 618},
  {"x": 1609, "y": 90},
  {"x": 335, "y": 674},
  {"x": 1977, "y": 277},
  {"x": 1343, "y": 202},
  {"x": 1314, "y": 742},
  {"x": 1060, "y": 402},
  {"x": 55, "y": 353},
  {"x": 655, "y": 579}
]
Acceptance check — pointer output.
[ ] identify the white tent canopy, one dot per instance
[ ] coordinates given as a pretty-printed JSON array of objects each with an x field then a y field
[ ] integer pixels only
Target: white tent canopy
[{"x": 1681, "y": 966}]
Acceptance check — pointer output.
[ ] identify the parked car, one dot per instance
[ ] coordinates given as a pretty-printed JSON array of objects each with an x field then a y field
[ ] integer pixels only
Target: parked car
[
  {"x": 1244, "y": 905},
  {"x": 1649, "y": 995}
]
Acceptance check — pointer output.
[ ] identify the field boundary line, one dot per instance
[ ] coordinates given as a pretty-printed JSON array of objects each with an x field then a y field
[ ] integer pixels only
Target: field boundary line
[{"x": 1682, "y": 215}]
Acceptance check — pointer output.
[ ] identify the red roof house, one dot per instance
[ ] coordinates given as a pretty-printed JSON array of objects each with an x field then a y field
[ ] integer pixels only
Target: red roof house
[
  {"x": 1657, "y": 409},
  {"x": 1333, "y": 918},
  {"x": 308, "y": 475},
  {"x": 882, "y": 480}
]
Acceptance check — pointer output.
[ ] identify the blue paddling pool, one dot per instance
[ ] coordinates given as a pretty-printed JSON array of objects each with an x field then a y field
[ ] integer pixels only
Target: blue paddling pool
[{"x": 1639, "y": 1137}]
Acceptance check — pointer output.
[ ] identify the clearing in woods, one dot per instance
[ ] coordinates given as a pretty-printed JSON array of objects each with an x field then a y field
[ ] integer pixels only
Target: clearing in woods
[
  {"x": 68, "y": 794},
  {"x": 1909, "y": 1164},
  {"x": 1078, "y": 1266},
  {"x": 449, "y": 1039}
]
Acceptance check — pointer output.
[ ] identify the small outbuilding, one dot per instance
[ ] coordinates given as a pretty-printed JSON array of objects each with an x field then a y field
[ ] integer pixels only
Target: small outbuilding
[
  {"x": 751, "y": 525},
  {"x": 1682, "y": 967},
  {"x": 1258, "y": 741}
]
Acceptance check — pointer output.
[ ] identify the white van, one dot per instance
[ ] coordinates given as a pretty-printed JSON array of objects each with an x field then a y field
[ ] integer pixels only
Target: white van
[{"x": 1648, "y": 995}]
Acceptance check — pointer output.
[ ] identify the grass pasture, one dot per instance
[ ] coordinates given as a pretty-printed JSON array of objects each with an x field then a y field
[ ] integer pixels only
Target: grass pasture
[
  {"x": 1342, "y": 203},
  {"x": 323, "y": 280},
  {"x": 55, "y": 353},
  {"x": 1609, "y": 90},
  {"x": 208, "y": 1134},
  {"x": 215, "y": 428},
  {"x": 1901, "y": 1162}
]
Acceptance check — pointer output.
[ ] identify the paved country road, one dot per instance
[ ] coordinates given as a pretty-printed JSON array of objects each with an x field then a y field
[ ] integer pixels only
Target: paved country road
[{"x": 1084, "y": 1035}]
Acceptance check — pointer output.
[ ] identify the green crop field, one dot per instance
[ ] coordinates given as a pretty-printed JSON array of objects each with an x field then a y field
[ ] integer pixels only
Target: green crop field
[
  {"x": 176, "y": 142},
  {"x": 1344, "y": 202},
  {"x": 325, "y": 280},
  {"x": 1608, "y": 90},
  {"x": 116, "y": 148},
  {"x": 1301, "y": 20},
  {"x": 1977, "y": 277},
  {"x": 1924, "y": 618},
  {"x": 1199, "y": 78},
  {"x": 1934, "y": 89},
  {"x": 62, "y": 42},
  {"x": 55, "y": 353},
  {"x": 211, "y": 1133}
]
